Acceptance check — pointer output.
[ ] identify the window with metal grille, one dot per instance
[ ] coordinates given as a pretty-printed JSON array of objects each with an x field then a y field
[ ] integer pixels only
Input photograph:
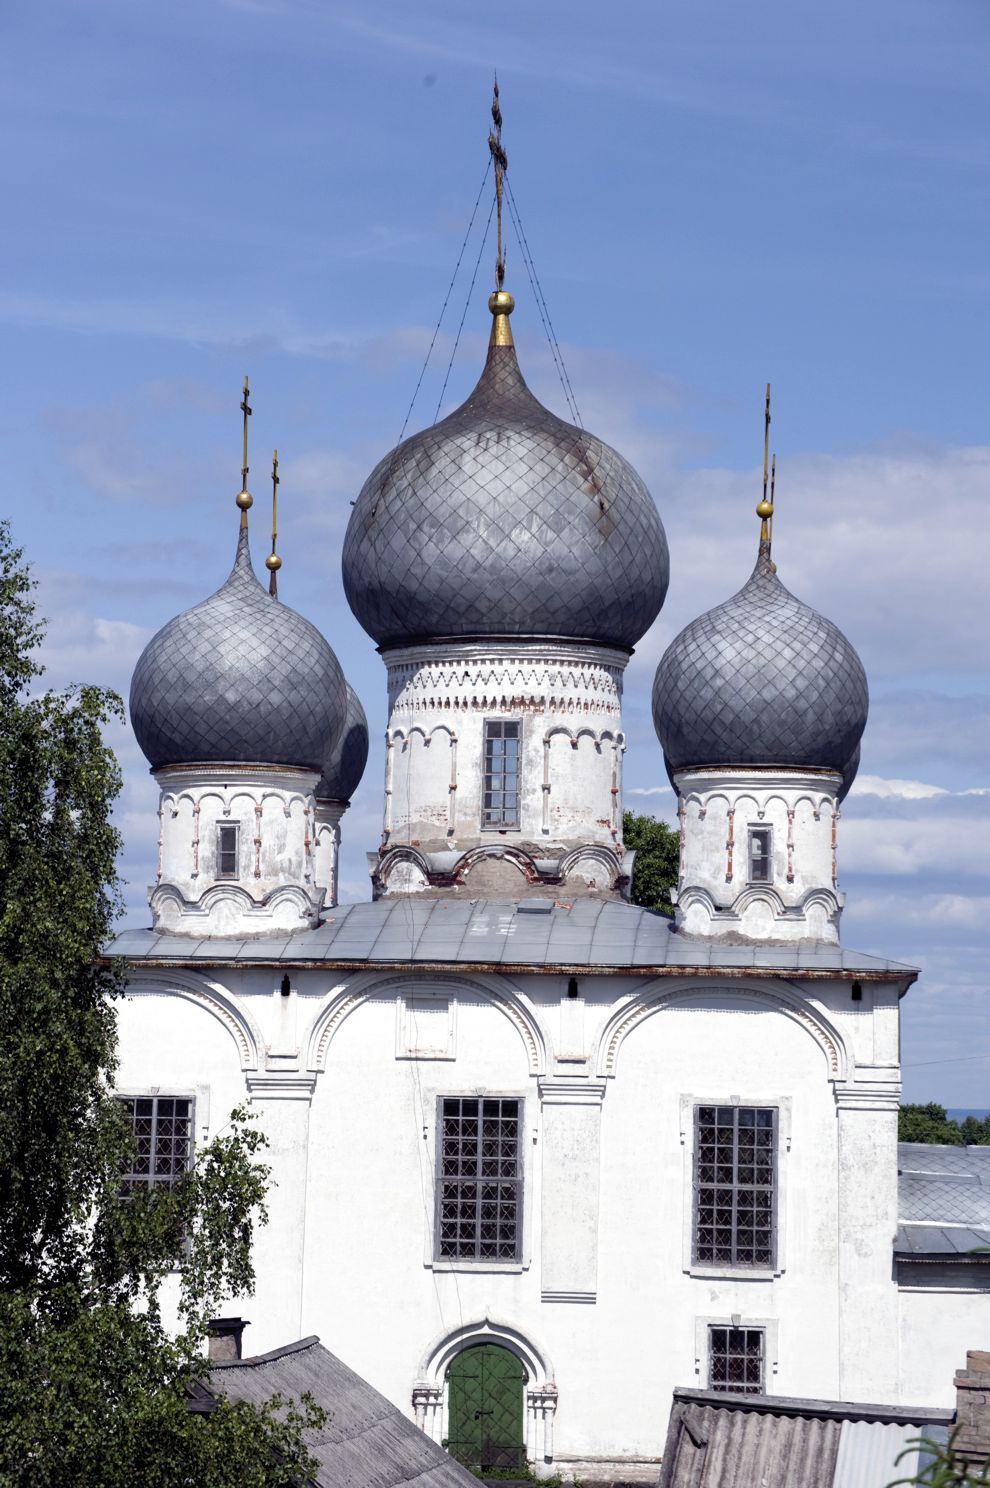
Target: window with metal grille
[
  {"x": 735, "y": 1359},
  {"x": 500, "y": 793},
  {"x": 479, "y": 1179},
  {"x": 227, "y": 834},
  {"x": 735, "y": 1172},
  {"x": 760, "y": 855},
  {"x": 162, "y": 1127}
]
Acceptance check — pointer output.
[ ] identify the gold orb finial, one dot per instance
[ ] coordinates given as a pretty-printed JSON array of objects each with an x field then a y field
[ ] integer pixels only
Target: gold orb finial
[
  {"x": 244, "y": 500},
  {"x": 764, "y": 508},
  {"x": 501, "y": 304},
  {"x": 273, "y": 563}
]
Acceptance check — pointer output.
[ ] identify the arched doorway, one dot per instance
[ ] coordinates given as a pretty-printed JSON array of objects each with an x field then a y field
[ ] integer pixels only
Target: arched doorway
[{"x": 486, "y": 1385}]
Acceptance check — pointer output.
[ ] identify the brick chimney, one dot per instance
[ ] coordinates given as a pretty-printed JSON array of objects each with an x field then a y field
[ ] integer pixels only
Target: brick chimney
[
  {"x": 225, "y": 1338},
  {"x": 972, "y": 1441}
]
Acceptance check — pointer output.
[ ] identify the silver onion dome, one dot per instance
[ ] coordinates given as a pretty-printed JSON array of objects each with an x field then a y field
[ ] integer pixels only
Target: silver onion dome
[
  {"x": 503, "y": 520},
  {"x": 239, "y": 678},
  {"x": 344, "y": 766},
  {"x": 761, "y": 680}
]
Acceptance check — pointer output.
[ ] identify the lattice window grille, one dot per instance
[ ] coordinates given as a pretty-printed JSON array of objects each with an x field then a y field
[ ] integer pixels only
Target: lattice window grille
[
  {"x": 163, "y": 1131},
  {"x": 500, "y": 792},
  {"x": 735, "y": 1171},
  {"x": 736, "y": 1359},
  {"x": 479, "y": 1198}
]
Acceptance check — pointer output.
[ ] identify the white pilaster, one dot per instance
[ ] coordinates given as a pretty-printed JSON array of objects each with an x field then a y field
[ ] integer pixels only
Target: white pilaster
[
  {"x": 571, "y": 1141},
  {"x": 867, "y": 1221},
  {"x": 283, "y": 1102}
]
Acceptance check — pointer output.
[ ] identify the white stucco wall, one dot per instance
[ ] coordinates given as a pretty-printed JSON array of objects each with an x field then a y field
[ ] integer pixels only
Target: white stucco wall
[
  {"x": 605, "y": 1305},
  {"x": 936, "y": 1329},
  {"x": 566, "y": 700},
  {"x": 718, "y": 810},
  {"x": 275, "y": 884}
]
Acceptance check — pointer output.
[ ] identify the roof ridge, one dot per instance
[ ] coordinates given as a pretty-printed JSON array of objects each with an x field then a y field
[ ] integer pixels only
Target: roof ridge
[{"x": 279, "y": 1353}]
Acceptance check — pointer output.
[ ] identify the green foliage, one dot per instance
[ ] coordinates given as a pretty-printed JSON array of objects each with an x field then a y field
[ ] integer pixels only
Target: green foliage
[
  {"x": 945, "y": 1467},
  {"x": 93, "y": 1390},
  {"x": 930, "y": 1123},
  {"x": 657, "y": 849}
]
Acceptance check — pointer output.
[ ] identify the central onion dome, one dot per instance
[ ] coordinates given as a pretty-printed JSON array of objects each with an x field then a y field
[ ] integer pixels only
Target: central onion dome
[
  {"x": 239, "y": 678},
  {"x": 761, "y": 680},
  {"x": 501, "y": 521}
]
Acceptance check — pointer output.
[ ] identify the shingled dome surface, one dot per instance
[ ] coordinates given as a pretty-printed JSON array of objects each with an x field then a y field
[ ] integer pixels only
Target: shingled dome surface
[
  {"x": 344, "y": 766},
  {"x": 761, "y": 680},
  {"x": 239, "y": 678},
  {"x": 503, "y": 520}
]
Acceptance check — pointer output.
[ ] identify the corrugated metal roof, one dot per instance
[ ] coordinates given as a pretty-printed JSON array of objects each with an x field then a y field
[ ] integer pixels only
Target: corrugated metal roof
[
  {"x": 725, "y": 1447},
  {"x": 366, "y": 1443},
  {"x": 869, "y": 1451},
  {"x": 588, "y": 934},
  {"x": 762, "y": 1441}
]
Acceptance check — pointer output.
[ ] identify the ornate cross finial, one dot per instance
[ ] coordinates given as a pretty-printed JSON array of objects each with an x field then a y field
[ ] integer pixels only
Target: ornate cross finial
[
  {"x": 273, "y": 562},
  {"x": 244, "y": 499},
  {"x": 764, "y": 508},
  {"x": 501, "y": 163}
]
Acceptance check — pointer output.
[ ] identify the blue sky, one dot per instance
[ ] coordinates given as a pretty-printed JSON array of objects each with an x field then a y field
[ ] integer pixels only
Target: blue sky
[{"x": 714, "y": 195}]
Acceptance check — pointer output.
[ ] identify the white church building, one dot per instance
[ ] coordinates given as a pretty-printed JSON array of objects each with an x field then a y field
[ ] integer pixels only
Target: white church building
[{"x": 541, "y": 1155}]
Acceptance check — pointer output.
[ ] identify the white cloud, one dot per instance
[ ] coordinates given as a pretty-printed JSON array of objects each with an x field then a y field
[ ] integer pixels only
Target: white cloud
[
  {"x": 911, "y": 606},
  {"x": 904, "y": 790},
  {"x": 81, "y": 647}
]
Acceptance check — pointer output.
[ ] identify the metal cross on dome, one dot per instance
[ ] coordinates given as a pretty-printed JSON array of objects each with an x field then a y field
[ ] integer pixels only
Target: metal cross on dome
[{"x": 501, "y": 162}]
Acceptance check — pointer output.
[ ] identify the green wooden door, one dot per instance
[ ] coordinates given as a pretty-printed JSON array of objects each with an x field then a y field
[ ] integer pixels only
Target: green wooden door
[{"x": 485, "y": 1401}]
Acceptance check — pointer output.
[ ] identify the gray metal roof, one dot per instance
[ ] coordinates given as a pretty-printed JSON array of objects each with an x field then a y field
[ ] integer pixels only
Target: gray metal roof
[
  {"x": 761, "y": 680},
  {"x": 503, "y": 520},
  {"x": 717, "y": 1440},
  {"x": 590, "y": 935},
  {"x": 343, "y": 769},
  {"x": 366, "y": 1443},
  {"x": 238, "y": 678},
  {"x": 943, "y": 1201}
]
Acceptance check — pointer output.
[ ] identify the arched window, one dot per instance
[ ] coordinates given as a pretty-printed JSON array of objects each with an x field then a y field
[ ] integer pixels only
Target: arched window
[{"x": 486, "y": 1385}]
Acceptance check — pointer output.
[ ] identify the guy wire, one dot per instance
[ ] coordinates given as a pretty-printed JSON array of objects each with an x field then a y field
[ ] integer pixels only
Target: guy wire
[
  {"x": 542, "y": 307},
  {"x": 467, "y": 302},
  {"x": 446, "y": 301}
]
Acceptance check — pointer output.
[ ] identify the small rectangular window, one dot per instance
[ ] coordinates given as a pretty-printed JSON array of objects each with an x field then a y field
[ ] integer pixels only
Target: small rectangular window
[
  {"x": 760, "y": 855},
  {"x": 736, "y": 1359},
  {"x": 479, "y": 1179},
  {"x": 500, "y": 791},
  {"x": 227, "y": 835},
  {"x": 162, "y": 1128},
  {"x": 735, "y": 1174}
]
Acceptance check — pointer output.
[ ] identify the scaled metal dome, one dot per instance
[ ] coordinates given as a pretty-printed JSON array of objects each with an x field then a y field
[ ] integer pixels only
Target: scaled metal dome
[
  {"x": 239, "y": 678},
  {"x": 503, "y": 520},
  {"x": 345, "y": 764},
  {"x": 761, "y": 680}
]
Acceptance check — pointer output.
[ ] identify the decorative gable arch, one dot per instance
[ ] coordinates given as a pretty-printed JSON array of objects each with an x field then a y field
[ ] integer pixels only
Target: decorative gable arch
[
  {"x": 213, "y": 997},
  {"x": 653, "y": 999},
  {"x": 344, "y": 1000}
]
